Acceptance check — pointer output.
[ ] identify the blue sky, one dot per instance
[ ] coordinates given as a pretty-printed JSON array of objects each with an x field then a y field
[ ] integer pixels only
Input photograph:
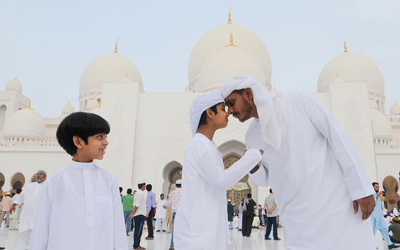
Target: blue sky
[{"x": 48, "y": 44}]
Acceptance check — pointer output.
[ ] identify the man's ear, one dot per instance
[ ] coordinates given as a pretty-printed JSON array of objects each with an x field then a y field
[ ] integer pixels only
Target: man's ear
[
  {"x": 78, "y": 142},
  {"x": 248, "y": 94}
]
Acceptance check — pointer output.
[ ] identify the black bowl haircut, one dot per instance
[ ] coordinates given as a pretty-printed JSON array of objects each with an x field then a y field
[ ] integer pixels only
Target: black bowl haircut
[
  {"x": 203, "y": 118},
  {"x": 149, "y": 187},
  {"x": 80, "y": 124}
]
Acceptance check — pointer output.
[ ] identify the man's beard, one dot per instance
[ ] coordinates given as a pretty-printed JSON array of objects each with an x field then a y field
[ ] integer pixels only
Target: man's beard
[{"x": 247, "y": 108}]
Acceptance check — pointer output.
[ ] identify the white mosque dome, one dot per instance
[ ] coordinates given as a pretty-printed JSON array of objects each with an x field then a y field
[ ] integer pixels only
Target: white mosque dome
[
  {"x": 372, "y": 104},
  {"x": 395, "y": 109},
  {"x": 380, "y": 124},
  {"x": 352, "y": 68},
  {"x": 226, "y": 63},
  {"x": 218, "y": 38},
  {"x": 108, "y": 68},
  {"x": 68, "y": 109},
  {"x": 92, "y": 104},
  {"x": 14, "y": 85},
  {"x": 25, "y": 123}
]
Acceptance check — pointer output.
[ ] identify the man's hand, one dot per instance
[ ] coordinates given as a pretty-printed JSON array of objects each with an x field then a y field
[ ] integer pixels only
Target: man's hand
[
  {"x": 131, "y": 216},
  {"x": 12, "y": 209},
  {"x": 367, "y": 205},
  {"x": 269, "y": 212},
  {"x": 147, "y": 215},
  {"x": 254, "y": 169}
]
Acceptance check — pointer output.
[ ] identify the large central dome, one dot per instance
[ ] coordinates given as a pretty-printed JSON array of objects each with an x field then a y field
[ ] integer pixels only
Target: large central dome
[
  {"x": 218, "y": 38},
  {"x": 108, "y": 68}
]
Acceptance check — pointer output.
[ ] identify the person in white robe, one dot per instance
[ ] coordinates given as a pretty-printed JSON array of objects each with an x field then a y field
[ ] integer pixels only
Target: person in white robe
[
  {"x": 29, "y": 198},
  {"x": 318, "y": 178},
  {"x": 14, "y": 217},
  {"x": 161, "y": 209},
  {"x": 240, "y": 219},
  {"x": 80, "y": 206},
  {"x": 200, "y": 222}
]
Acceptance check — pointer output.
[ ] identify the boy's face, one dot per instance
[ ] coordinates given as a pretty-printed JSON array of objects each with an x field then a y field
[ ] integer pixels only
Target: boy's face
[{"x": 94, "y": 149}]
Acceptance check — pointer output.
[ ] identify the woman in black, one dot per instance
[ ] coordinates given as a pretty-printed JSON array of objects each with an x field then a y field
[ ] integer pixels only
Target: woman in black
[{"x": 248, "y": 215}]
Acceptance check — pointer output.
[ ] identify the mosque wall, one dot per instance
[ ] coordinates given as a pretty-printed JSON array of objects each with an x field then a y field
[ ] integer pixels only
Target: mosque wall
[
  {"x": 29, "y": 162},
  {"x": 120, "y": 108}
]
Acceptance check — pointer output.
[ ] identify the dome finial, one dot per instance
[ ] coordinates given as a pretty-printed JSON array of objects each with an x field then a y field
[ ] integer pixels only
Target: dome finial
[
  {"x": 231, "y": 43},
  {"x": 345, "y": 45},
  {"x": 229, "y": 15},
  {"x": 100, "y": 103},
  {"x": 16, "y": 78},
  {"x": 29, "y": 105},
  {"x": 116, "y": 46}
]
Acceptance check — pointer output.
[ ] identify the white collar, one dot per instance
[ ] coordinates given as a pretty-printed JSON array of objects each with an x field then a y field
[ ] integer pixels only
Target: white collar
[{"x": 81, "y": 165}]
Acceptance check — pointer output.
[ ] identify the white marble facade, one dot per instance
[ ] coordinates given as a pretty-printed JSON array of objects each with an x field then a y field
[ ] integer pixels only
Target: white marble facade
[{"x": 150, "y": 131}]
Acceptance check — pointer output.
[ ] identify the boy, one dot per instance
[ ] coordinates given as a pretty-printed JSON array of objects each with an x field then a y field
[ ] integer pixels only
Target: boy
[
  {"x": 80, "y": 206},
  {"x": 201, "y": 217}
]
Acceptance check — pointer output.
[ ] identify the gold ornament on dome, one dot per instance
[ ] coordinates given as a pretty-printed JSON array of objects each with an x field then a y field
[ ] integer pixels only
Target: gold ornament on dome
[
  {"x": 116, "y": 46},
  {"x": 345, "y": 45},
  {"x": 231, "y": 42},
  {"x": 229, "y": 15}
]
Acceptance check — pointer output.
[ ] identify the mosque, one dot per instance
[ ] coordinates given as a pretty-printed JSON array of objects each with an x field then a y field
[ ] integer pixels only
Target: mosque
[{"x": 150, "y": 131}]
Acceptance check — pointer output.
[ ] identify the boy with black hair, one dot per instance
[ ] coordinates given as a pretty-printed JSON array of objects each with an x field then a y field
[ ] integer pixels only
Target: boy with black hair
[{"x": 80, "y": 206}]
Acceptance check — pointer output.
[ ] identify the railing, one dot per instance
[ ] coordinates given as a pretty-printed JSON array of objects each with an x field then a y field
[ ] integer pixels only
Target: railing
[{"x": 48, "y": 142}]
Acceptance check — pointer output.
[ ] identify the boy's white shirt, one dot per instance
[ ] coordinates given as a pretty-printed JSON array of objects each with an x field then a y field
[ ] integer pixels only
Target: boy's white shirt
[{"x": 80, "y": 208}]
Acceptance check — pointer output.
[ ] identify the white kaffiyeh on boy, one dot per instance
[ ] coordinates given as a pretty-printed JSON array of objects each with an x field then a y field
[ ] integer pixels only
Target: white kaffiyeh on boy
[{"x": 200, "y": 221}]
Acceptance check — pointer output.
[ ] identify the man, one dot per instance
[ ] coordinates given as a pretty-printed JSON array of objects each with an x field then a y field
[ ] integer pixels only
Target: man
[
  {"x": 127, "y": 204},
  {"x": 168, "y": 217},
  {"x": 395, "y": 229},
  {"x": 378, "y": 223},
  {"x": 230, "y": 214},
  {"x": 173, "y": 202},
  {"x": 30, "y": 198},
  {"x": 272, "y": 216},
  {"x": 248, "y": 215},
  {"x": 14, "y": 217},
  {"x": 151, "y": 206},
  {"x": 310, "y": 162},
  {"x": 133, "y": 223},
  {"x": 161, "y": 210},
  {"x": 260, "y": 215},
  {"x": 5, "y": 207},
  {"x": 138, "y": 214}
]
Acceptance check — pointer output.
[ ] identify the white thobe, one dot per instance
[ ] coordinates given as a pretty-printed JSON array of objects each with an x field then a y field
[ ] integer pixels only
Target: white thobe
[
  {"x": 161, "y": 211},
  {"x": 315, "y": 175},
  {"x": 30, "y": 197},
  {"x": 80, "y": 208},
  {"x": 200, "y": 221}
]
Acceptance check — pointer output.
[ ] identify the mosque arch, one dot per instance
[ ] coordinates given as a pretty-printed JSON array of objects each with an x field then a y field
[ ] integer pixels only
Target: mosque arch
[
  {"x": 17, "y": 181},
  {"x": 3, "y": 109},
  {"x": 231, "y": 152},
  {"x": 2, "y": 181},
  {"x": 85, "y": 105},
  {"x": 171, "y": 173},
  {"x": 391, "y": 186},
  {"x": 378, "y": 103}
]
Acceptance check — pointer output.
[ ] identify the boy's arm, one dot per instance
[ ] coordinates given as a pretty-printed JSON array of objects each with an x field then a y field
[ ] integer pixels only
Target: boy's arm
[
  {"x": 119, "y": 235},
  {"x": 40, "y": 232}
]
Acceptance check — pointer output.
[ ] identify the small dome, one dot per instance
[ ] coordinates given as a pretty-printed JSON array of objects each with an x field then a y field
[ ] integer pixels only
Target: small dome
[
  {"x": 108, "y": 68},
  {"x": 226, "y": 63},
  {"x": 25, "y": 123},
  {"x": 395, "y": 109},
  {"x": 380, "y": 124},
  {"x": 14, "y": 85},
  {"x": 218, "y": 38},
  {"x": 372, "y": 104},
  {"x": 68, "y": 109},
  {"x": 352, "y": 68},
  {"x": 92, "y": 104}
]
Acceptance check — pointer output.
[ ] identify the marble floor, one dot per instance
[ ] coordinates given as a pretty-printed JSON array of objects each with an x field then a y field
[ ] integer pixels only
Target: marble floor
[{"x": 12, "y": 240}]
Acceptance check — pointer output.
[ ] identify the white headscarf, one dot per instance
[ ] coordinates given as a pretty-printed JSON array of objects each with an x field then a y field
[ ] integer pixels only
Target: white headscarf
[
  {"x": 269, "y": 108},
  {"x": 200, "y": 104}
]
